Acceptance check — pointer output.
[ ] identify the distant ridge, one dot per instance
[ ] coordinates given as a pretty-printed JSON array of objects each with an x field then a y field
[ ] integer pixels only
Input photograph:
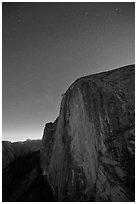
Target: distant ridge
[{"x": 11, "y": 150}]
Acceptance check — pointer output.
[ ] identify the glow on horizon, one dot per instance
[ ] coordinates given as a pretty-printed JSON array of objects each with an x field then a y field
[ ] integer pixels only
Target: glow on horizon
[
  {"x": 17, "y": 136},
  {"x": 47, "y": 46}
]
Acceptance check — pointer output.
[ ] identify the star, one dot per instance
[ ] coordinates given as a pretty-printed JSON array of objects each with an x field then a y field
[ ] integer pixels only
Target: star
[
  {"x": 79, "y": 53},
  {"x": 19, "y": 20},
  {"x": 55, "y": 35},
  {"x": 14, "y": 28},
  {"x": 86, "y": 13},
  {"x": 116, "y": 9}
]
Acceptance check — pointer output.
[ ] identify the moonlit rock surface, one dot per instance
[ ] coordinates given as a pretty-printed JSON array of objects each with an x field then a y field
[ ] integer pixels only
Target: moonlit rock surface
[{"x": 91, "y": 145}]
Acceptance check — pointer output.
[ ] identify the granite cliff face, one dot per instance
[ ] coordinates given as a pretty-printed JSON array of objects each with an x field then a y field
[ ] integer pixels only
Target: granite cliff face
[{"x": 88, "y": 153}]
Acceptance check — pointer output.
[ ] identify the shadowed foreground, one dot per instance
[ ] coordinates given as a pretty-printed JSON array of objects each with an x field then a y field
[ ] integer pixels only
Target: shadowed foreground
[{"x": 23, "y": 181}]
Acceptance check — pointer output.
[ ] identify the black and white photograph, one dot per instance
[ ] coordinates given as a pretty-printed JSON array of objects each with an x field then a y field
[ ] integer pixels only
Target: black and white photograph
[{"x": 68, "y": 101}]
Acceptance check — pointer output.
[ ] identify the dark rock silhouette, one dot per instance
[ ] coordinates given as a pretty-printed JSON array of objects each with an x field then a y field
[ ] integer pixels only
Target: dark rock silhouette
[
  {"x": 8, "y": 153},
  {"x": 22, "y": 176},
  {"x": 88, "y": 153},
  {"x": 23, "y": 181},
  {"x": 12, "y": 150}
]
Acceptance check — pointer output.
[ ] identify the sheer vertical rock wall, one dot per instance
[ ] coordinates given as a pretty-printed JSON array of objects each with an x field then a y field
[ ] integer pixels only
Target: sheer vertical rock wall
[{"x": 88, "y": 153}]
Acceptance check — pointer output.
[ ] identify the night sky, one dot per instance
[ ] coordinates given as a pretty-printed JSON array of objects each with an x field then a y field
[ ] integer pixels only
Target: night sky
[{"x": 47, "y": 46}]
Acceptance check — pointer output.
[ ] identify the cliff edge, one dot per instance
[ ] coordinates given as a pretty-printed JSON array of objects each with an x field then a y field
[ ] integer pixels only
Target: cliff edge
[{"x": 89, "y": 152}]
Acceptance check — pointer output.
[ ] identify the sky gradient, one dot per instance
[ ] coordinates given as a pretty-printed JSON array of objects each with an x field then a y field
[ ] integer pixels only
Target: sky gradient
[{"x": 47, "y": 46}]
